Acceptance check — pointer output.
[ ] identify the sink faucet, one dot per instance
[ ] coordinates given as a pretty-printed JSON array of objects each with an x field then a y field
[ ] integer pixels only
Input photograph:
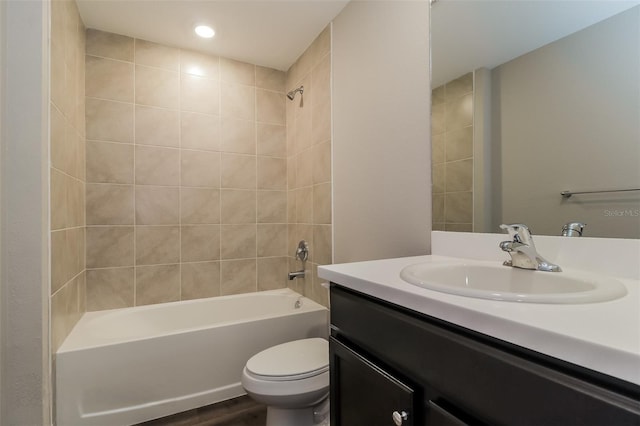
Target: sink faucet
[{"x": 523, "y": 251}]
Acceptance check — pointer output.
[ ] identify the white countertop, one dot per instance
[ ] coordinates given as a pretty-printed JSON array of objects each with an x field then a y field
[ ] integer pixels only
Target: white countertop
[{"x": 603, "y": 336}]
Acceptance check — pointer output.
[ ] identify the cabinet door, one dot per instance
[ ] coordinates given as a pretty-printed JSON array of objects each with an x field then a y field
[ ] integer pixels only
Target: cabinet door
[{"x": 364, "y": 394}]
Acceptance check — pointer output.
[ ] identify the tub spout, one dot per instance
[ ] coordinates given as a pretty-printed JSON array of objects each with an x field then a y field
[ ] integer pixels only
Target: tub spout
[{"x": 297, "y": 274}]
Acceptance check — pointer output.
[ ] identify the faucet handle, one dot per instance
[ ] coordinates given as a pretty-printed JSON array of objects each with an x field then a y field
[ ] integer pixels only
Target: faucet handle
[
  {"x": 519, "y": 232},
  {"x": 573, "y": 229}
]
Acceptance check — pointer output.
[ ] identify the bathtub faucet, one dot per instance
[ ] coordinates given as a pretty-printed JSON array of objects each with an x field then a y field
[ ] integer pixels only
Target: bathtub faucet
[
  {"x": 297, "y": 274},
  {"x": 302, "y": 254}
]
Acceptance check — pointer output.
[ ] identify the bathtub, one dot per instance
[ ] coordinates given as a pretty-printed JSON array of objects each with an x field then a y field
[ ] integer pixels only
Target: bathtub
[{"x": 126, "y": 366}]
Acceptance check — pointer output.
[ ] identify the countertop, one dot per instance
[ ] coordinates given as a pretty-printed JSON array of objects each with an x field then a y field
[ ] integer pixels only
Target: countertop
[{"x": 604, "y": 336}]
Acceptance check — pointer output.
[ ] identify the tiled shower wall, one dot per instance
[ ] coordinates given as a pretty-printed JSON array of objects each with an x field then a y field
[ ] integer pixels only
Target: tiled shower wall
[
  {"x": 452, "y": 155},
  {"x": 309, "y": 163},
  {"x": 67, "y": 169},
  {"x": 186, "y": 174}
]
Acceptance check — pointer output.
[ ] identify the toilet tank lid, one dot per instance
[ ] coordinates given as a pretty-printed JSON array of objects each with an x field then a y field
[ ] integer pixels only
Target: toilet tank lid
[{"x": 291, "y": 358}]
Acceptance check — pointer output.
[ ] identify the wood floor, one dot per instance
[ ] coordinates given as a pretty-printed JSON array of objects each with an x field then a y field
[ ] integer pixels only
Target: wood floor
[{"x": 241, "y": 411}]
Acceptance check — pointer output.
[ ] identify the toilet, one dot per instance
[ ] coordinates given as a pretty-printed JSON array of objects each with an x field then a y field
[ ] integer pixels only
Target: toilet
[{"x": 292, "y": 380}]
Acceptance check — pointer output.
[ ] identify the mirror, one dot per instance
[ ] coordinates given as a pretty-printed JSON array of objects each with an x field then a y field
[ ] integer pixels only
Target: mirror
[{"x": 530, "y": 99}]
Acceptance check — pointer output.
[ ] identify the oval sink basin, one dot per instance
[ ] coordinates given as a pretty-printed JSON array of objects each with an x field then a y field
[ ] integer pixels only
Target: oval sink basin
[{"x": 512, "y": 284}]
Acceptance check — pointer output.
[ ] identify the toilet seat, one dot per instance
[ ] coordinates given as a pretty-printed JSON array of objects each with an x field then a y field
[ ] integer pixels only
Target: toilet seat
[{"x": 297, "y": 360}]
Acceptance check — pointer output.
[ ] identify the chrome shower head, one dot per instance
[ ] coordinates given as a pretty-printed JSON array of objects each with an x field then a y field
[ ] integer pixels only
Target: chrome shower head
[{"x": 292, "y": 94}]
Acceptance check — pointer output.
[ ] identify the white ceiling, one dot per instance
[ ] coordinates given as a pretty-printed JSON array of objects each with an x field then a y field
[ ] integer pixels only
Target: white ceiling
[
  {"x": 271, "y": 33},
  {"x": 469, "y": 34}
]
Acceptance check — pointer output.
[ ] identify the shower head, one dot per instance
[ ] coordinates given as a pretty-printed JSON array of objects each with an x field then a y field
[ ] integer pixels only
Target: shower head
[{"x": 292, "y": 94}]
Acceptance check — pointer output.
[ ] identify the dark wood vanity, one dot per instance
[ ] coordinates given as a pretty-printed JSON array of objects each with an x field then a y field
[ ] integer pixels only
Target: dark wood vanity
[{"x": 391, "y": 365}]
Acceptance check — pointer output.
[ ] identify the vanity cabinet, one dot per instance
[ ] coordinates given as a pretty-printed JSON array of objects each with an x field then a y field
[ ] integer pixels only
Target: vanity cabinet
[{"x": 391, "y": 365}]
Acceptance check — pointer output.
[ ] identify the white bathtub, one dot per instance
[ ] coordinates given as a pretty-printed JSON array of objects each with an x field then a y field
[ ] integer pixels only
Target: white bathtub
[{"x": 125, "y": 366}]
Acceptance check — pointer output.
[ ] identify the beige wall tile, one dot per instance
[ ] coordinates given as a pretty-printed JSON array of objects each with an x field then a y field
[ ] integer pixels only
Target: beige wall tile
[
  {"x": 110, "y": 288},
  {"x": 238, "y": 276},
  {"x": 322, "y": 162},
  {"x": 270, "y": 107},
  {"x": 270, "y": 79},
  {"x": 437, "y": 149},
  {"x": 58, "y": 70},
  {"x": 459, "y": 176},
  {"x": 58, "y": 200},
  {"x": 109, "y": 246},
  {"x": 438, "y": 208},
  {"x": 272, "y": 207},
  {"x": 458, "y": 207},
  {"x": 272, "y": 173},
  {"x": 200, "y": 279},
  {"x": 437, "y": 95},
  {"x": 109, "y": 120},
  {"x": 199, "y": 94},
  {"x": 157, "y": 126},
  {"x": 321, "y": 101},
  {"x": 304, "y": 205},
  {"x": 157, "y": 87},
  {"x": 109, "y": 79},
  {"x": 304, "y": 168},
  {"x": 233, "y": 71},
  {"x": 272, "y": 273},
  {"x": 238, "y": 241},
  {"x": 322, "y": 203},
  {"x": 200, "y": 243},
  {"x": 321, "y": 45},
  {"x": 199, "y": 206},
  {"x": 459, "y": 144},
  {"x": 75, "y": 202},
  {"x": 200, "y": 168},
  {"x": 272, "y": 140},
  {"x": 238, "y": 171},
  {"x": 437, "y": 119},
  {"x": 109, "y": 162},
  {"x": 157, "y": 284},
  {"x": 157, "y": 205},
  {"x": 238, "y": 206},
  {"x": 109, "y": 204},
  {"x": 58, "y": 140},
  {"x": 303, "y": 128},
  {"x": 59, "y": 260},
  {"x": 157, "y": 245},
  {"x": 437, "y": 175},
  {"x": 438, "y": 226},
  {"x": 109, "y": 45},
  {"x": 157, "y": 55},
  {"x": 238, "y": 136},
  {"x": 64, "y": 313},
  {"x": 272, "y": 240},
  {"x": 459, "y": 113},
  {"x": 458, "y": 227},
  {"x": 321, "y": 244},
  {"x": 459, "y": 87},
  {"x": 157, "y": 166},
  {"x": 200, "y": 131},
  {"x": 237, "y": 101},
  {"x": 199, "y": 64}
]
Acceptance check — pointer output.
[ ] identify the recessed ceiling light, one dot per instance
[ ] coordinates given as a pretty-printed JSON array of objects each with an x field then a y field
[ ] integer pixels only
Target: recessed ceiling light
[{"x": 204, "y": 31}]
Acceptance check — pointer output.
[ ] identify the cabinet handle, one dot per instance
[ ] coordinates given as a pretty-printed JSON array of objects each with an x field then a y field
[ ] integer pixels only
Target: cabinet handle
[{"x": 398, "y": 418}]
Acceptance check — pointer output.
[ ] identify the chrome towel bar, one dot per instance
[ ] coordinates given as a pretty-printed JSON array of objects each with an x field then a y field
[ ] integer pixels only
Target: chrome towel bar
[{"x": 568, "y": 194}]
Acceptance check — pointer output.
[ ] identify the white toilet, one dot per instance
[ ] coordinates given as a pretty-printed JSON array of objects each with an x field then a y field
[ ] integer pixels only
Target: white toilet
[{"x": 292, "y": 379}]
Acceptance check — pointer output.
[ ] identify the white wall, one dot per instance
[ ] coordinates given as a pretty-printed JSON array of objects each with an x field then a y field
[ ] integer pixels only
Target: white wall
[
  {"x": 25, "y": 386},
  {"x": 578, "y": 130},
  {"x": 381, "y": 136}
]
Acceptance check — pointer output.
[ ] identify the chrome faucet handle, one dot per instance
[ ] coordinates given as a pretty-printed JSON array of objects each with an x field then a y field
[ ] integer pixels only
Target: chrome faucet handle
[
  {"x": 518, "y": 232},
  {"x": 573, "y": 229},
  {"x": 302, "y": 252}
]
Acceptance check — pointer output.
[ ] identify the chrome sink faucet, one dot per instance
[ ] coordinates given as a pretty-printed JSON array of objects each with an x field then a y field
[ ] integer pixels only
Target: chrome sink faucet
[{"x": 523, "y": 251}]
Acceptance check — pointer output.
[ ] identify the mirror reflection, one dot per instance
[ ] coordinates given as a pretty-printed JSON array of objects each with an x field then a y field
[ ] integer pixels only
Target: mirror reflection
[{"x": 531, "y": 99}]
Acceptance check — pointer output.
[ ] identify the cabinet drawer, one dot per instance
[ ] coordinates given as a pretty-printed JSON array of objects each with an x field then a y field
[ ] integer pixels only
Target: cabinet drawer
[
  {"x": 494, "y": 385},
  {"x": 364, "y": 394}
]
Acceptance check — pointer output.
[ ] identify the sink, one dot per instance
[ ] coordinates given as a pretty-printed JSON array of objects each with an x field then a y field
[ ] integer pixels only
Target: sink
[{"x": 499, "y": 282}]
